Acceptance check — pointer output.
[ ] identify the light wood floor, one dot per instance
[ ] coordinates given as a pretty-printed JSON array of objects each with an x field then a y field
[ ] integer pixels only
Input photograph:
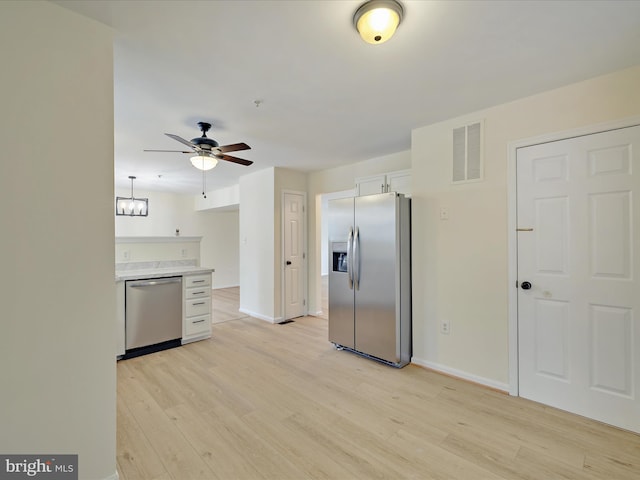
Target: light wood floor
[
  {"x": 262, "y": 401},
  {"x": 226, "y": 304},
  {"x": 324, "y": 282}
]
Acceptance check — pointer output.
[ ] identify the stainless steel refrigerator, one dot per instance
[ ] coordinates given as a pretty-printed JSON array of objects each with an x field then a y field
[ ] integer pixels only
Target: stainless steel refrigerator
[{"x": 370, "y": 276}]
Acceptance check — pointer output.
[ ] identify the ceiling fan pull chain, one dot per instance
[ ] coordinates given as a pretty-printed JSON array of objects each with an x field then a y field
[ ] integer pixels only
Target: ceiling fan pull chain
[{"x": 204, "y": 184}]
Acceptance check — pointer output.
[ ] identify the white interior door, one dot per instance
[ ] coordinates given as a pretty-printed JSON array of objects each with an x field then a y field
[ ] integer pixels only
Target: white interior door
[
  {"x": 294, "y": 255},
  {"x": 579, "y": 322}
]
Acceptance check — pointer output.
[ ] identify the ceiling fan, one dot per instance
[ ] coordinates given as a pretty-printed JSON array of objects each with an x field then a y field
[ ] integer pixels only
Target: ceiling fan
[{"x": 207, "y": 151}]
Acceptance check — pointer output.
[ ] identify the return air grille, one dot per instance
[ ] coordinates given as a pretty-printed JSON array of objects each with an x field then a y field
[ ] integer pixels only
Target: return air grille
[{"x": 467, "y": 153}]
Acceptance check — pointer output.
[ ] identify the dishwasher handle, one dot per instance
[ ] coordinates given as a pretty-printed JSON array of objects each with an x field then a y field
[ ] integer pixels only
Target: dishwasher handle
[{"x": 154, "y": 281}]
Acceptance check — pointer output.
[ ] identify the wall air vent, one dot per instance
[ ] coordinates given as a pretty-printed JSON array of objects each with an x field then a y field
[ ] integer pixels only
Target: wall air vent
[{"x": 467, "y": 153}]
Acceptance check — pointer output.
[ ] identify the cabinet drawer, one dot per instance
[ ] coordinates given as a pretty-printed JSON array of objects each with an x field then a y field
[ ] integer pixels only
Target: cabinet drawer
[
  {"x": 198, "y": 292},
  {"x": 197, "y": 280},
  {"x": 199, "y": 324},
  {"x": 197, "y": 306}
]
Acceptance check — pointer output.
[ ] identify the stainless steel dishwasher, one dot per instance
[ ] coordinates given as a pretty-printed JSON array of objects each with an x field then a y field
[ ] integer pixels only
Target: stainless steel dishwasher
[{"x": 153, "y": 315}]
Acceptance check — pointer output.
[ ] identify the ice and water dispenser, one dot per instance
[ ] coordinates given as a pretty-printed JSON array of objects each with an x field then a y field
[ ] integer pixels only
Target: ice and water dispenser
[{"x": 339, "y": 256}]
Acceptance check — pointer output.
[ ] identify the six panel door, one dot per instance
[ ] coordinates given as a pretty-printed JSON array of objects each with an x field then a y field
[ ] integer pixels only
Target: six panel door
[{"x": 578, "y": 328}]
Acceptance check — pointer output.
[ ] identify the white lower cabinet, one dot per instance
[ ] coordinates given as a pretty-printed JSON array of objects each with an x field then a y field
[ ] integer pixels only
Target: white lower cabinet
[
  {"x": 196, "y": 313},
  {"x": 197, "y": 325}
]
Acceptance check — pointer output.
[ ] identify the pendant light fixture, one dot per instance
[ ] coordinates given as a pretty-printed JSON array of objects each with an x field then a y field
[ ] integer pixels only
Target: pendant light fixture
[
  {"x": 377, "y": 20},
  {"x": 204, "y": 161},
  {"x": 131, "y": 206}
]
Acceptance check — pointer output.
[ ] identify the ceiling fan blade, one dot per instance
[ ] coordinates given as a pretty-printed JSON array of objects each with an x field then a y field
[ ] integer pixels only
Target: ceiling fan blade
[
  {"x": 229, "y": 158},
  {"x": 172, "y": 151},
  {"x": 236, "y": 147},
  {"x": 180, "y": 139}
]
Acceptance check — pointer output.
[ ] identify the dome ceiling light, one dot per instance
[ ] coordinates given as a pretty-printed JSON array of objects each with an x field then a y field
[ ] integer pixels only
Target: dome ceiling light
[
  {"x": 377, "y": 20},
  {"x": 204, "y": 161}
]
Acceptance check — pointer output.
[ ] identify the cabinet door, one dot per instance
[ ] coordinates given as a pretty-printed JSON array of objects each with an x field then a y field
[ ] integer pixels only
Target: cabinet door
[
  {"x": 400, "y": 182},
  {"x": 370, "y": 185}
]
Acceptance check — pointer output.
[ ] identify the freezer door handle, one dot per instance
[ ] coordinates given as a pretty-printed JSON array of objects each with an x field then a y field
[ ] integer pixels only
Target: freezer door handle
[
  {"x": 356, "y": 259},
  {"x": 350, "y": 257}
]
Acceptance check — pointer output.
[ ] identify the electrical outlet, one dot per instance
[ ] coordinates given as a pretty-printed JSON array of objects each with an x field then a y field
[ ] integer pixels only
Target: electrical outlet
[
  {"x": 183, "y": 252},
  {"x": 126, "y": 255},
  {"x": 444, "y": 213},
  {"x": 445, "y": 327}
]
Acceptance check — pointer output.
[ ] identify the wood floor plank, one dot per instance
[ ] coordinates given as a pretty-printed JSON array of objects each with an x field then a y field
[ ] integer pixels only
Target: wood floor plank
[
  {"x": 219, "y": 441},
  {"x": 175, "y": 453},
  {"x": 606, "y": 465},
  {"x": 226, "y": 304},
  {"x": 262, "y": 401},
  {"x": 435, "y": 460},
  {"x": 522, "y": 423},
  {"x": 136, "y": 458}
]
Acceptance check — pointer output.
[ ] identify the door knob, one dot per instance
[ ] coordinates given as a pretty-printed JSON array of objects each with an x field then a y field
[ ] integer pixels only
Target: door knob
[
  {"x": 288, "y": 262},
  {"x": 525, "y": 285}
]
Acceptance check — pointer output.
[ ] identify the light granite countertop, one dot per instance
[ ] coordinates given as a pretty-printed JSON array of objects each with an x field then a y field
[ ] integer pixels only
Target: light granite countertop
[{"x": 139, "y": 274}]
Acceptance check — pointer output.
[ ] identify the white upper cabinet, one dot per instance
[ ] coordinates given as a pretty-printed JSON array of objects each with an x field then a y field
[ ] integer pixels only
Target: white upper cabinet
[
  {"x": 371, "y": 184},
  {"x": 398, "y": 181}
]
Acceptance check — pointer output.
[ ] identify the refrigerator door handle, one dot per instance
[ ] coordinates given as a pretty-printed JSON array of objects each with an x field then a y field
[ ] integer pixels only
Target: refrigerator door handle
[
  {"x": 356, "y": 259},
  {"x": 350, "y": 257}
]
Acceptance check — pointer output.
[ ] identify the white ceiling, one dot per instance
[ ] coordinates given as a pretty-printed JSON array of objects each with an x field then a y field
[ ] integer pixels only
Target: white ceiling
[{"x": 328, "y": 98}]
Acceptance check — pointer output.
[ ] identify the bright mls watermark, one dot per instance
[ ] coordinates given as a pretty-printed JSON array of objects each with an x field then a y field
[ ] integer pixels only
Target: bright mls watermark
[{"x": 50, "y": 467}]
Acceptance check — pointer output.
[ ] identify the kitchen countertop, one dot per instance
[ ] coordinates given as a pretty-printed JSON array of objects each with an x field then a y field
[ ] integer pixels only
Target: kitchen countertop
[{"x": 160, "y": 272}]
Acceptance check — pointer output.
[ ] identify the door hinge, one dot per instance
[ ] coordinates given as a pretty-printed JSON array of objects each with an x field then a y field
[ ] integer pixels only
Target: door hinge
[
  {"x": 304, "y": 255},
  {"x": 304, "y": 302}
]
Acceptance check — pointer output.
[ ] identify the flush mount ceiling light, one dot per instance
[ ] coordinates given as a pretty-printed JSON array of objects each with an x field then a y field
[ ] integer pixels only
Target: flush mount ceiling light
[
  {"x": 204, "y": 161},
  {"x": 131, "y": 206},
  {"x": 377, "y": 20}
]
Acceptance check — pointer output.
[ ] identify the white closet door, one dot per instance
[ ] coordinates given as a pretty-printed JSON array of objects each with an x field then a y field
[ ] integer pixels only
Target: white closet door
[{"x": 579, "y": 322}]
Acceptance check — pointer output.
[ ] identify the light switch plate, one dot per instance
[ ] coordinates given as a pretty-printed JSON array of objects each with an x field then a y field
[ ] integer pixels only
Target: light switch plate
[{"x": 445, "y": 327}]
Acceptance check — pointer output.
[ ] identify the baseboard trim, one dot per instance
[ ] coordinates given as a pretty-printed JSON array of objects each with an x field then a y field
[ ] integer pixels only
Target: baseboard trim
[
  {"x": 114, "y": 476},
  {"x": 219, "y": 287},
  {"x": 453, "y": 372},
  {"x": 259, "y": 316}
]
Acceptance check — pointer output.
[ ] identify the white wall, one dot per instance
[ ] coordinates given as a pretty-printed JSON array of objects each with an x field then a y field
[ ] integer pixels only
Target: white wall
[
  {"x": 219, "y": 229},
  {"x": 460, "y": 265},
  {"x": 227, "y": 198},
  {"x": 130, "y": 251},
  {"x": 57, "y": 299},
  {"x": 220, "y": 245},
  {"x": 260, "y": 240},
  {"x": 336, "y": 180},
  {"x": 167, "y": 212},
  {"x": 257, "y": 245}
]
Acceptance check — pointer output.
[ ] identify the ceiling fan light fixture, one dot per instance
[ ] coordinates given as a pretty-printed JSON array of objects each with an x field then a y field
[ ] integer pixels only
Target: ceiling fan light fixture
[
  {"x": 377, "y": 20},
  {"x": 204, "y": 162}
]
